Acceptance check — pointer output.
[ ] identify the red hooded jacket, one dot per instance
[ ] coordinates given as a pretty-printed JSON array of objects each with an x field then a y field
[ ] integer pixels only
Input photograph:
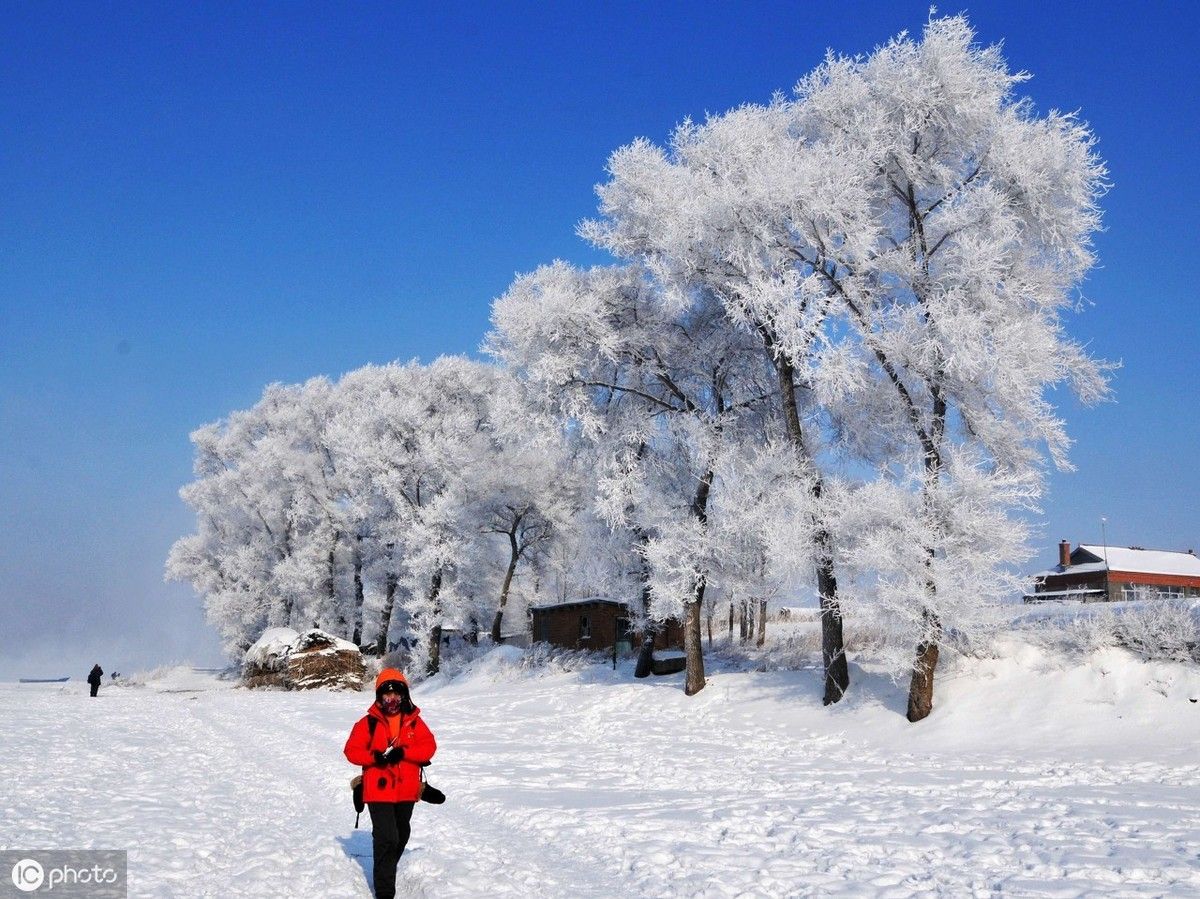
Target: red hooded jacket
[{"x": 391, "y": 783}]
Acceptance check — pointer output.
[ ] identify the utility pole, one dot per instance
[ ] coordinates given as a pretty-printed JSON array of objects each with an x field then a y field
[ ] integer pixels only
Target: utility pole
[{"x": 1104, "y": 541}]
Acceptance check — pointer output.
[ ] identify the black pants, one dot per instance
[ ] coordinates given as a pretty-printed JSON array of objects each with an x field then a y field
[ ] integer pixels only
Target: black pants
[
  {"x": 389, "y": 835},
  {"x": 95, "y": 688}
]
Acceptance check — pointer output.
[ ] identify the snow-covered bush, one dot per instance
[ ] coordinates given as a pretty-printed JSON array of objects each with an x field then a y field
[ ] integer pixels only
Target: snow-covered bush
[
  {"x": 512, "y": 662},
  {"x": 1160, "y": 630},
  {"x": 868, "y": 639},
  {"x": 547, "y": 659}
]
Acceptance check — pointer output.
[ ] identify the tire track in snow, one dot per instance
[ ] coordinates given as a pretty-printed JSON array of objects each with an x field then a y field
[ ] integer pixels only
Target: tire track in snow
[
  {"x": 486, "y": 839},
  {"x": 193, "y": 785},
  {"x": 463, "y": 848},
  {"x": 261, "y": 799}
]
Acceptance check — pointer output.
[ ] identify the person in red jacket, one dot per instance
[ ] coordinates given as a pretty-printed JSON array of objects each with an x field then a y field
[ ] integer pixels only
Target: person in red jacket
[{"x": 392, "y": 744}]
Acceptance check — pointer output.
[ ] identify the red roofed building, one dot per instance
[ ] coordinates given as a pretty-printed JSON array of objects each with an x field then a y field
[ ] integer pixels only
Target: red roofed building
[{"x": 1113, "y": 573}]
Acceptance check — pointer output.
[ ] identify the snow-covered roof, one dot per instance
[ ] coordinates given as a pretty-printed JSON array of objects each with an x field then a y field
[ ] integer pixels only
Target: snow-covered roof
[
  {"x": 1054, "y": 594},
  {"x": 1146, "y": 561},
  {"x": 1125, "y": 558},
  {"x": 1083, "y": 568},
  {"x": 591, "y": 600}
]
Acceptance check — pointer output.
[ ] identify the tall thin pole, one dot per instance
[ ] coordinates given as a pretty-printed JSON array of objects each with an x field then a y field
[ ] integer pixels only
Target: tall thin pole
[{"x": 1104, "y": 540}]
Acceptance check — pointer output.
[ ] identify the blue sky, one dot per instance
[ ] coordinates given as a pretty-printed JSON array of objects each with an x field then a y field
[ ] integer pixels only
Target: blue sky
[{"x": 197, "y": 200}]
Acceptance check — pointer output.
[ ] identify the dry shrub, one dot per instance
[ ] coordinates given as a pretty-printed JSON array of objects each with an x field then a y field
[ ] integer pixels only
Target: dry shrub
[
  {"x": 257, "y": 677},
  {"x": 865, "y": 637},
  {"x": 318, "y": 661},
  {"x": 327, "y": 669}
]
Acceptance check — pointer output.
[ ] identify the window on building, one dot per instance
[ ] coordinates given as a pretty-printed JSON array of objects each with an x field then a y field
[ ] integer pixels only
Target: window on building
[
  {"x": 1151, "y": 591},
  {"x": 585, "y": 627},
  {"x": 1130, "y": 592}
]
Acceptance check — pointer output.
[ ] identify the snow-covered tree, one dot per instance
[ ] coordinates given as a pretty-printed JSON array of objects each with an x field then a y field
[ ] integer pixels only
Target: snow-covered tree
[
  {"x": 527, "y": 506},
  {"x": 402, "y": 435},
  {"x": 904, "y": 236},
  {"x": 329, "y": 528},
  {"x": 395, "y": 481},
  {"x": 826, "y": 353},
  {"x": 710, "y": 217},
  {"x": 969, "y": 235},
  {"x": 885, "y": 527},
  {"x": 659, "y": 385},
  {"x": 442, "y": 460},
  {"x": 762, "y": 520},
  {"x": 265, "y": 550}
]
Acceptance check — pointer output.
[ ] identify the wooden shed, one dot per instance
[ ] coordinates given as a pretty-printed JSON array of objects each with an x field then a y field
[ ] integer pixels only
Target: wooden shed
[{"x": 595, "y": 624}]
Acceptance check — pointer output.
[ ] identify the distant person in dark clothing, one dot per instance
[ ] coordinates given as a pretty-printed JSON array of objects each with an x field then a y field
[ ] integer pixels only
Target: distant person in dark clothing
[{"x": 94, "y": 678}]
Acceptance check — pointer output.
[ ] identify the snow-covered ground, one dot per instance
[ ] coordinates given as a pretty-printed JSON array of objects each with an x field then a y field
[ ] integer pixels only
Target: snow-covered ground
[{"x": 1032, "y": 778}]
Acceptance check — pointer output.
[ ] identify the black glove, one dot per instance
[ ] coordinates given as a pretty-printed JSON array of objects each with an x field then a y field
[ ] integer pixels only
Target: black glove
[{"x": 390, "y": 756}]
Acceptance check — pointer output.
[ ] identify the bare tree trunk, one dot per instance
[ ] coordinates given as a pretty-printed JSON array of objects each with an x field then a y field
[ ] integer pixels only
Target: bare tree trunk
[
  {"x": 709, "y": 619},
  {"x": 731, "y": 622},
  {"x": 435, "y": 632},
  {"x": 645, "y": 655},
  {"x": 742, "y": 621},
  {"x": 693, "y": 645},
  {"x": 341, "y": 623},
  {"x": 750, "y": 608},
  {"x": 920, "y": 690},
  {"x": 833, "y": 647},
  {"x": 514, "y": 556},
  {"x": 646, "y": 652},
  {"x": 385, "y": 616},
  {"x": 762, "y": 623},
  {"x": 693, "y": 681},
  {"x": 356, "y": 639},
  {"x": 435, "y": 650}
]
